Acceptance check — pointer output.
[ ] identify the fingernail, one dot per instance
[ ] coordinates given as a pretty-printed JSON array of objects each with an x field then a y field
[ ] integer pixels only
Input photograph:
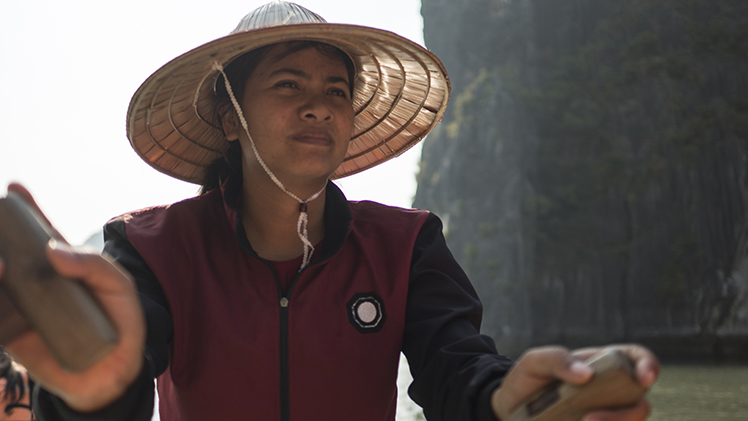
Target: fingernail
[
  {"x": 648, "y": 379},
  {"x": 580, "y": 367}
]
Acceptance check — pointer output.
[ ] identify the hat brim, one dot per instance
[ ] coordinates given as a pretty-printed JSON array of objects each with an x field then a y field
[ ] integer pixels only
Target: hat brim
[{"x": 400, "y": 93}]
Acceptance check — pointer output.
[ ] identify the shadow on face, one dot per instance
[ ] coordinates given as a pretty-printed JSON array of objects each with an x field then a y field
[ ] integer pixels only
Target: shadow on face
[{"x": 238, "y": 72}]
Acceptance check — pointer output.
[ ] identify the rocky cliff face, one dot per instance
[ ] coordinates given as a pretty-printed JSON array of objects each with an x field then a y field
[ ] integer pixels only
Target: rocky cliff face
[{"x": 591, "y": 169}]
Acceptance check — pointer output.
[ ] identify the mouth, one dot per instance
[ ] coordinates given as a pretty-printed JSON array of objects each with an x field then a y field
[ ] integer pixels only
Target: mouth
[{"x": 313, "y": 137}]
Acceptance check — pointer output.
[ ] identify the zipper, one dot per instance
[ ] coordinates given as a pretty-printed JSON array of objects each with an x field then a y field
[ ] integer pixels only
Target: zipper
[
  {"x": 285, "y": 375},
  {"x": 283, "y": 301},
  {"x": 285, "y": 395}
]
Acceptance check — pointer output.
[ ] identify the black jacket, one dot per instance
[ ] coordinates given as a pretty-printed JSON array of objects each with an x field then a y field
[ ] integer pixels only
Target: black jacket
[{"x": 455, "y": 369}]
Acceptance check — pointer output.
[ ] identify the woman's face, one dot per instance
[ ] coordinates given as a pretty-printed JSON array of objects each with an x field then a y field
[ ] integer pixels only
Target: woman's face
[{"x": 299, "y": 112}]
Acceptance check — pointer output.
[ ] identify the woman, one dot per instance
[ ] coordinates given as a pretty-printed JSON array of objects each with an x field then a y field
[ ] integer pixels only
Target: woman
[{"x": 269, "y": 294}]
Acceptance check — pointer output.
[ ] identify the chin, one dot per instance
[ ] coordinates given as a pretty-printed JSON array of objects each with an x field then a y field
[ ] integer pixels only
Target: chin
[
  {"x": 311, "y": 173},
  {"x": 316, "y": 169}
]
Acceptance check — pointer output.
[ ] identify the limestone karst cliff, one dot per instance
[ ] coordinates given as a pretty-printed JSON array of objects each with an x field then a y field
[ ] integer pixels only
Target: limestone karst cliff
[{"x": 592, "y": 169}]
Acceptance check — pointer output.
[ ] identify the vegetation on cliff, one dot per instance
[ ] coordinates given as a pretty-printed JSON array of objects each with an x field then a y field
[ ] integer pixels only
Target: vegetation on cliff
[{"x": 622, "y": 128}]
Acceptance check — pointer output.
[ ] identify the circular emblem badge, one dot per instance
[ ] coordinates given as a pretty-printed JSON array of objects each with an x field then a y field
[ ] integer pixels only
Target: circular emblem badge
[{"x": 366, "y": 312}]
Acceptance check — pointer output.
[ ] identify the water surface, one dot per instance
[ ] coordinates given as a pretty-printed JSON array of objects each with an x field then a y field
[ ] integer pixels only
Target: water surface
[
  {"x": 682, "y": 393},
  {"x": 700, "y": 392}
]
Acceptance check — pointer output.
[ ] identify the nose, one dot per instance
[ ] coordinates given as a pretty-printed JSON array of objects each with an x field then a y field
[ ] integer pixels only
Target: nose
[{"x": 316, "y": 108}]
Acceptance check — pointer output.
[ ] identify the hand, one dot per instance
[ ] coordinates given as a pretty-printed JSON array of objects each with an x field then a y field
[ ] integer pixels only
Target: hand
[
  {"x": 542, "y": 366},
  {"x": 107, "y": 379}
]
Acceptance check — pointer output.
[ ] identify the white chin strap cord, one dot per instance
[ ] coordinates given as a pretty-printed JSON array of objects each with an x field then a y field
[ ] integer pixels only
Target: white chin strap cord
[{"x": 303, "y": 221}]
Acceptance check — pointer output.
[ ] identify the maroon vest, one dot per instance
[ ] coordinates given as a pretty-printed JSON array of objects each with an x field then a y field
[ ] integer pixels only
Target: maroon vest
[{"x": 241, "y": 350}]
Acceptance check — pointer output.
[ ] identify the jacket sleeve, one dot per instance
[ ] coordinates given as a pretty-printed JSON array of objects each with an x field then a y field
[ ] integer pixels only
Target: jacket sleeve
[
  {"x": 137, "y": 401},
  {"x": 455, "y": 368}
]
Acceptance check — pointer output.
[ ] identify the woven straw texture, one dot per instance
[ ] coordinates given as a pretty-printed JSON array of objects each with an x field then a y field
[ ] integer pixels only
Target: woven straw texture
[{"x": 400, "y": 93}]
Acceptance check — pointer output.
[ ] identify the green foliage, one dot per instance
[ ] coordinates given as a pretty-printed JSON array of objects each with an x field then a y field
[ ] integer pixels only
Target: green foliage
[
  {"x": 474, "y": 94},
  {"x": 655, "y": 86}
]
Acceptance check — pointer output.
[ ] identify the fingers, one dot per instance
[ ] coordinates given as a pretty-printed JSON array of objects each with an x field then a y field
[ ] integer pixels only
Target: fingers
[
  {"x": 535, "y": 369},
  {"x": 638, "y": 412},
  {"x": 106, "y": 379},
  {"x": 29, "y": 199},
  {"x": 97, "y": 272},
  {"x": 542, "y": 366},
  {"x": 555, "y": 363},
  {"x": 25, "y": 195},
  {"x": 112, "y": 285},
  {"x": 646, "y": 364}
]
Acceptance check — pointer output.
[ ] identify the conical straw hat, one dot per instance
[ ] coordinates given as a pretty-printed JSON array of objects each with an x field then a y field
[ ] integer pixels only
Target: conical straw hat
[{"x": 400, "y": 93}]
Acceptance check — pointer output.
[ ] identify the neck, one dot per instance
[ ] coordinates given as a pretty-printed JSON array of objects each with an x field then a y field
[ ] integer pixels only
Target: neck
[{"x": 270, "y": 217}]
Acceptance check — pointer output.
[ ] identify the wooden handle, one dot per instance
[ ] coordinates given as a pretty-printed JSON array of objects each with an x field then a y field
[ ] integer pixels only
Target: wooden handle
[
  {"x": 614, "y": 385},
  {"x": 62, "y": 311},
  {"x": 12, "y": 324}
]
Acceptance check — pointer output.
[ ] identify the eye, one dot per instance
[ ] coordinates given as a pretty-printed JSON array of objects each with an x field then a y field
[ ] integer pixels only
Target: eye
[
  {"x": 338, "y": 92},
  {"x": 287, "y": 84}
]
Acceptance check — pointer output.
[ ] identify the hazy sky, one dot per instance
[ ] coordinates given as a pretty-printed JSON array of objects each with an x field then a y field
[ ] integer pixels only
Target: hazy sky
[{"x": 68, "y": 69}]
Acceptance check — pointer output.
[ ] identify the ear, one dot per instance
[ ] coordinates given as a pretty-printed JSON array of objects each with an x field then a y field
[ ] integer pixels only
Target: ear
[{"x": 230, "y": 124}]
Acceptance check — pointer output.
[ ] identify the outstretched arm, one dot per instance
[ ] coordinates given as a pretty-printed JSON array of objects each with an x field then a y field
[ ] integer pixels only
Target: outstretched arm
[{"x": 107, "y": 379}]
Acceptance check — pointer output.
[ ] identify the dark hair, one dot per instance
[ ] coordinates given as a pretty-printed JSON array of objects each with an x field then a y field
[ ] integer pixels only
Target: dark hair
[
  {"x": 238, "y": 72},
  {"x": 14, "y": 384}
]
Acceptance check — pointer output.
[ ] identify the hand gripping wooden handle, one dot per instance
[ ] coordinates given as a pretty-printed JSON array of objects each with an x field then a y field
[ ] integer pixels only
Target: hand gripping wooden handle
[
  {"x": 62, "y": 311},
  {"x": 613, "y": 385}
]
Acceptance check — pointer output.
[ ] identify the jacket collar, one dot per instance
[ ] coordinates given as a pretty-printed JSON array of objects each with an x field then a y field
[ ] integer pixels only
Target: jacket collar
[{"x": 337, "y": 218}]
